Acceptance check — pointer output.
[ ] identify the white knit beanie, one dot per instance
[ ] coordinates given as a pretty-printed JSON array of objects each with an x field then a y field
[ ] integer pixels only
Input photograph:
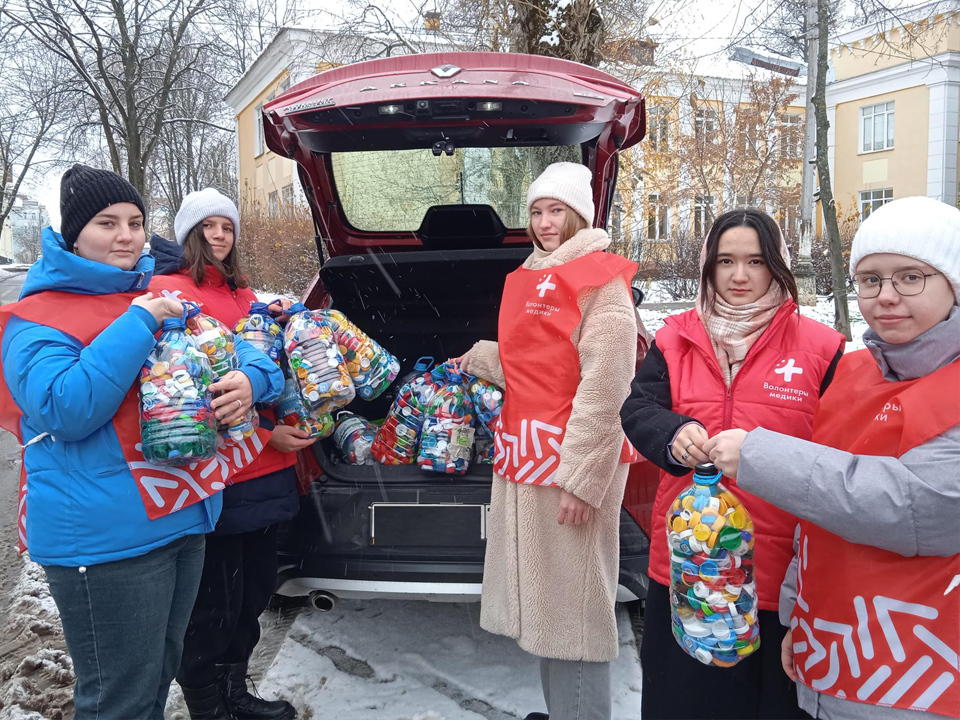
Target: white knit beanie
[
  {"x": 918, "y": 227},
  {"x": 198, "y": 206},
  {"x": 567, "y": 182}
]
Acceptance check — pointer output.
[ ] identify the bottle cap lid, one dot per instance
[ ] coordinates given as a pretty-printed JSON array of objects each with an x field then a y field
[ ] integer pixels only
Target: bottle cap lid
[{"x": 706, "y": 474}]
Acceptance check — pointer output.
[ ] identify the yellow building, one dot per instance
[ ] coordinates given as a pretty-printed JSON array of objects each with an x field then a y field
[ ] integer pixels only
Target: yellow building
[
  {"x": 893, "y": 105},
  {"x": 267, "y": 180},
  {"x": 720, "y": 136}
]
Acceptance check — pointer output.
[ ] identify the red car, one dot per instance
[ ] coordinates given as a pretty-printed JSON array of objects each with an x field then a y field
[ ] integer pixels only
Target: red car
[{"x": 416, "y": 170}]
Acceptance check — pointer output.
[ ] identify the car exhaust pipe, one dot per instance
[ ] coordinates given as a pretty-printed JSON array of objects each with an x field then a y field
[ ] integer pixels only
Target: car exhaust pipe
[{"x": 323, "y": 601}]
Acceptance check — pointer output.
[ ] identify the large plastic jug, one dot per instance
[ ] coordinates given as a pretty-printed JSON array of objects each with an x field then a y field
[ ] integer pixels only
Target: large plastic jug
[{"x": 713, "y": 594}]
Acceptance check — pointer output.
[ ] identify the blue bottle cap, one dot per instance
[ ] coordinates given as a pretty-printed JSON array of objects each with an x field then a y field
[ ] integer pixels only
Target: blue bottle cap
[{"x": 706, "y": 474}]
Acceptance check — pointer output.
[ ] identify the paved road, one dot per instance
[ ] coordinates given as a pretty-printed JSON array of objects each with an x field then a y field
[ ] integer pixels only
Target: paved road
[{"x": 10, "y": 285}]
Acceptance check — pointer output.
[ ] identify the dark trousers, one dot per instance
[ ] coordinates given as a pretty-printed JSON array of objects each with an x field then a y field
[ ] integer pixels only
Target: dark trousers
[
  {"x": 239, "y": 577},
  {"x": 678, "y": 686},
  {"x": 124, "y": 622}
]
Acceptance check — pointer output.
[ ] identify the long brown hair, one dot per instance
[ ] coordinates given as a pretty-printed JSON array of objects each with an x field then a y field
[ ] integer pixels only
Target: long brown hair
[
  {"x": 770, "y": 239},
  {"x": 198, "y": 253},
  {"x": 572, "y": 224}
]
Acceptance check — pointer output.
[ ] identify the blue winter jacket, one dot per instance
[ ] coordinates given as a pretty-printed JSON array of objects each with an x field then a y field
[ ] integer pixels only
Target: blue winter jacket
[{"x": 83, "y": 507}]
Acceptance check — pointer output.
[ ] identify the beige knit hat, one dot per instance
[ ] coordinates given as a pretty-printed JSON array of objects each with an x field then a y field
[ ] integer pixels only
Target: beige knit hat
[
  {"x": 918, "y": 227},
  {"x": 570, "y": 183}
]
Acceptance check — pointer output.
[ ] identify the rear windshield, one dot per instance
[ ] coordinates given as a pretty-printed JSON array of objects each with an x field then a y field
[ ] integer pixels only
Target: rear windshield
[{"x": 392, "y": 190}]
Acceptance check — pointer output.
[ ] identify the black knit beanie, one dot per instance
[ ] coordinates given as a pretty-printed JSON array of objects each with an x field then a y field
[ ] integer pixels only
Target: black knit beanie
[{"x": 84, "y": 192}]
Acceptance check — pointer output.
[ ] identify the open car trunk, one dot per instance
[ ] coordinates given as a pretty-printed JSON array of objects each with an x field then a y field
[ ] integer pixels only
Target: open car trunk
[
  {"x": 416, "y": 170},
  {"x": 426, "y": 303}
]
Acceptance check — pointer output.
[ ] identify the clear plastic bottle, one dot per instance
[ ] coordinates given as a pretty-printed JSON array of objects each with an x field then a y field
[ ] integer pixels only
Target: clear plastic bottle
[
  {"x": 315, "y": 361},
  {"x": 446, "y": 441},
  {"x": 713, "y": 593},
  {"x": 177, "y": 424},
  {"x": 354, "y": 438},
  {"x": 291, "y": 411},
  {"x": 398, "y": 439},
  {"x": 371, "y": 367},
  {"x": 261, "y": 329},
  {"x": 217, "y": 342}
]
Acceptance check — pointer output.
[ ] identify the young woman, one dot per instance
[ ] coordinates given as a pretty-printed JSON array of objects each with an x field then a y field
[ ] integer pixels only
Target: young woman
[
  {"x": 122, "y": 565},
  {"x": 743, "y": 357},
  {"x": 567, "y": 343},
  {"x": 240, "y": 567},
  {"x": 872, "y": 598}
]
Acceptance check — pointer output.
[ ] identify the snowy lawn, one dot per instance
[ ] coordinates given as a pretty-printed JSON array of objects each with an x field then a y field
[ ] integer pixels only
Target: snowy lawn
[{"x": 394, "y": 660}]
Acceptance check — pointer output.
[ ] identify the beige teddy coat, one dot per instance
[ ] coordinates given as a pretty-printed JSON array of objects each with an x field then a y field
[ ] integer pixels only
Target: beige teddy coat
[{"x": 553, "y": 587}]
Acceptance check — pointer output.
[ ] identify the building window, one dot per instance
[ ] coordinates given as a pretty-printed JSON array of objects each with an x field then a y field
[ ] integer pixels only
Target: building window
[
  {"x": 287, "y": 195},
  {"x": 705, "y": 124},
  {"x": 258, "y": 131},
  {"x": 658, "y": 226},
  {"x": 658, "y": 129},
  {"x": 273, "y": 203},
  {"x": 870, "y": 200},
  {"x": 702, "y": 210},
  {"x": 284, "y": 85},
  {"x": 791, "y": 137},
  {"x": 876, "y": 127},
  {"x": 742, "y": 202}
]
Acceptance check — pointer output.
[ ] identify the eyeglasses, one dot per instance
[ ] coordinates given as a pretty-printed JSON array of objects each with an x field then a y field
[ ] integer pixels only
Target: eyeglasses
[{"x": 905, "y": 282}]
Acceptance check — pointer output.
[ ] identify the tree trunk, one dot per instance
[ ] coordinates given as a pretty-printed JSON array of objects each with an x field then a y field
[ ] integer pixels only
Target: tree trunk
[{"x": 842, "y": 314}]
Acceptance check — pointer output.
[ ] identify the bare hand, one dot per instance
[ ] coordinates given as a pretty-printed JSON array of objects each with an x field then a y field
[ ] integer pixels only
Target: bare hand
[
  {"x": 289, "y": 439},
  {"x": 462, "y": 361},
  {"x": 279, "y": 308},
  {"x": 573, "y": 510},
  {"x": 162, "y": 308},
  {"x": 690, "y": 442},
  {"x": 234, "y": 397},
  {"x": 786, "y": 655},
  {"x": 724, "y": 450}
]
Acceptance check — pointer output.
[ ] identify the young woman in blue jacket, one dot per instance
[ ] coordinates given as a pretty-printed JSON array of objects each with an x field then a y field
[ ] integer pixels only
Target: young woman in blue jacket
[{"x": 72, "y": 349}]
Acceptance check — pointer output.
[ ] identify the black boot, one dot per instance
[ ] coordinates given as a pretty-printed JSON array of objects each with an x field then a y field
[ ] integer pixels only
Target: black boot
[
  {"x": 246, "y": 706},
  {"x": 207, "y": 703}
]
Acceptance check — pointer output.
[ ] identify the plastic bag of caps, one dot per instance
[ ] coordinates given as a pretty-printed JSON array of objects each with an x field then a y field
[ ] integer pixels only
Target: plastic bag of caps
[
  {"x": 291, "y": 411},
  {"x": 217, "y": 342},
  {"x": 446, "y": 441},
  {"x": 354, "y": 438},
  {"x": 261, "y": 329},
  {"x": 371, "y": 368},
  {"x": 398, "y": 438},
  {"x": 315, "y": 361},
  {"x": 487, "y": 401},
  {"x": 713, "y": 594},
  {"x": 177, "y": 424}
]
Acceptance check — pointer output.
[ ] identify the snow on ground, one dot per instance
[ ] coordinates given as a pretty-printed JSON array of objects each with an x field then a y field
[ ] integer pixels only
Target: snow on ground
[{"x": 407, "y": 660}]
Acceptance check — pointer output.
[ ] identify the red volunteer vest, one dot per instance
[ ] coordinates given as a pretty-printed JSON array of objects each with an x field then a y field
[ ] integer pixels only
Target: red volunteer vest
[
  {"x": 163, "y": 490},
  {"x": 777, "y": 387},
  {"x": 871, "y": 625},
  {"x": 541, "y": 366},
  {"x": 227, "y": 306}
]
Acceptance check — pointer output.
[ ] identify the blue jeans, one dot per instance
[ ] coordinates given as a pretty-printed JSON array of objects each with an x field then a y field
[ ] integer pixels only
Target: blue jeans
[{"x": 124, "y": 623}]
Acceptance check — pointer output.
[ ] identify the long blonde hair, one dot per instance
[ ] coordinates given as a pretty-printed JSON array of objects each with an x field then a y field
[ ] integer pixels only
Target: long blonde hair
[{"x": 573, "y": 224}]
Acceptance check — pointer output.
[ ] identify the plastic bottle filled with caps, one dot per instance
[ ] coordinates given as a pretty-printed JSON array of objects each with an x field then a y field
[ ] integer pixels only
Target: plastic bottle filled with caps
[
  {"x": 354, "y": 438},
  {"x": 261, "y": 329},
  {"x": 316, "y": 363},
  {"x": 398, "y": 438},
  {"x": 370, "y": 366},
  {"x": 218, "y": 343},
  {"x": 291, "y": 411},
  {"x": 177, "y": 424},
  {"x": 446, "y": 441},
  {"x": 713, "y": 593}
]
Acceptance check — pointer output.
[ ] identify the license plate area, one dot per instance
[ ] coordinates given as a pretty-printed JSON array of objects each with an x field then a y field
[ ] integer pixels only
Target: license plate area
[{"x": 428, "y": 525}]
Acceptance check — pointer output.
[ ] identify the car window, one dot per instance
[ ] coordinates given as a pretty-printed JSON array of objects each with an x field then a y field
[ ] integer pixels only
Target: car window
[{"x": 391, "y": 190}]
